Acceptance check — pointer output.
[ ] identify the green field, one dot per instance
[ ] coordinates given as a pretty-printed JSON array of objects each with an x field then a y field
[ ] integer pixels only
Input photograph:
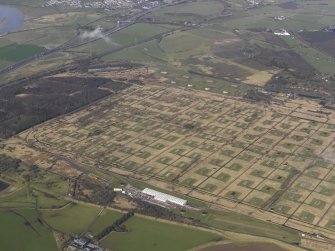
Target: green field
[
  {"x": 234, "y": 222},
  {"x": 45, "y": 189},
  {"x": 16, "y": 52},
  {"x": 73, "y": 219},
  {"x": 21, "y": 197},
  {"x": 105, "y": 219},
  {"x": 149, "y": 235},
  {"x": 20, "y": 230},
  {"x": 320, "y": 60},
  {"x": 200, "y": 7},
  {"x": 138, "y": 32}
]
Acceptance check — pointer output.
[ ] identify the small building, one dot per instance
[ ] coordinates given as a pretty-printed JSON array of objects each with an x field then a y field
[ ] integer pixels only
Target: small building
[
  {"x": 281, "y": 32},
  {"x": 279, "y": 18},
  {"x": 93, "y": 247},
  {"x": 84, "y": 244},
  {"x": 163, "y": 197},
  {"x": 80, "y": 242}
]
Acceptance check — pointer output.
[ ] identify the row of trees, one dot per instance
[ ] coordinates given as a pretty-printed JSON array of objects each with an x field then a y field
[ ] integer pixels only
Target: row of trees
[
  {"x": 116, "y": 226},
  {"x": 156, "y": 211}
]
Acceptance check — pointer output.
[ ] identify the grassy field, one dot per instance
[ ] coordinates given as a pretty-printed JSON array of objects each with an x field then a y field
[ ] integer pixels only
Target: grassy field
[
  {"x": 202, "y": 8},
  {"x": 21, "y": 197},
  {"x": 20, "y": 230},
  {"x": 320, "y": 60},
  {"x": 180, "y": 52},
  {"x": 105, "y": 219},
  {"x": 45, "y": 189},
  {"x": 72, "y": 219},
  {"x": 241, "y": 58},
  {"x": 192, "y": 12},
  {"x": 150, "y": 235},
  {"x": 234, "y": 222},
  {"x": 17, "y": 52},
  {"x": 138, "y": 32}
]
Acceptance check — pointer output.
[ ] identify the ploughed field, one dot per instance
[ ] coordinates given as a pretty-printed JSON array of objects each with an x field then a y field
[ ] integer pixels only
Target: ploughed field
[{"x": 273, "y": 161}]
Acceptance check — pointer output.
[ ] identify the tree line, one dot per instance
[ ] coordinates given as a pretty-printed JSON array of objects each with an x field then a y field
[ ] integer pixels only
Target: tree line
[{"x": 116, "y": 226}]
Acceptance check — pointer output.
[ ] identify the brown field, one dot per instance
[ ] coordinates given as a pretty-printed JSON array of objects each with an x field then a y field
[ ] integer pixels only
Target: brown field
[{"x": 274, "y": 162}]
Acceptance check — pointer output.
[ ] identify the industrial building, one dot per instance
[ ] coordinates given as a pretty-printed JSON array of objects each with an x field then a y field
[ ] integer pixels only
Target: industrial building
[
  {"x": 163, "y": 197},
  {"x": 84, "y": 244}
]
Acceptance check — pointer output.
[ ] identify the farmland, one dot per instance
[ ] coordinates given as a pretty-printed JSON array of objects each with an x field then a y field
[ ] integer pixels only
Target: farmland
[
  {"x": 73, "y": 219},
  {"x": 212, "y": 45},
  {"x": 14, "y": 52},
  {"x": 151, "y": 235},
  {"x": 244, "y": 247},
  {"x": 215, "y": 44},
  {"x": 271, "y": 161},
  {"x": 226, "y": 104},
  {"x": 20, "y": 230},
  {"x": 38, "y": 216}
]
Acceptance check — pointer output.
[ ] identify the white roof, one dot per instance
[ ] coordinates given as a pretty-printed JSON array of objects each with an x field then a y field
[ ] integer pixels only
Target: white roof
[{"x": 163, "y": 197}]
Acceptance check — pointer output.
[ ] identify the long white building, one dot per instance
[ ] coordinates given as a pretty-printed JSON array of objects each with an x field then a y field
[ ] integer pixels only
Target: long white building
[{"x": 163, "y": 197}]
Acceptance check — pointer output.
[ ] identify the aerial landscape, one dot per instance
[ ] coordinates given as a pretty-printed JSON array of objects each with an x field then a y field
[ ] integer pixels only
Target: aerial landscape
[{"x": 153, "y": 125}]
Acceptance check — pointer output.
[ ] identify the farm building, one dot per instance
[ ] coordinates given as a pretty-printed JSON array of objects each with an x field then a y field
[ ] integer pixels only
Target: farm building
[
  {"x": 281, "y": 32},
  {"x": 163, "y": 197}
]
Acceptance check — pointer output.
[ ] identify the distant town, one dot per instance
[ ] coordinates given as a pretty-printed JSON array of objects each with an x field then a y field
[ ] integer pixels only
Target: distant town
[{"x": 103, "y": 4}]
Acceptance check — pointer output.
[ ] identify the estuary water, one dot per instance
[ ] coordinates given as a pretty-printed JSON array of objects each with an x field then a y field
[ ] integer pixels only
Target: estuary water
[{"x": 10, "y": 19}]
